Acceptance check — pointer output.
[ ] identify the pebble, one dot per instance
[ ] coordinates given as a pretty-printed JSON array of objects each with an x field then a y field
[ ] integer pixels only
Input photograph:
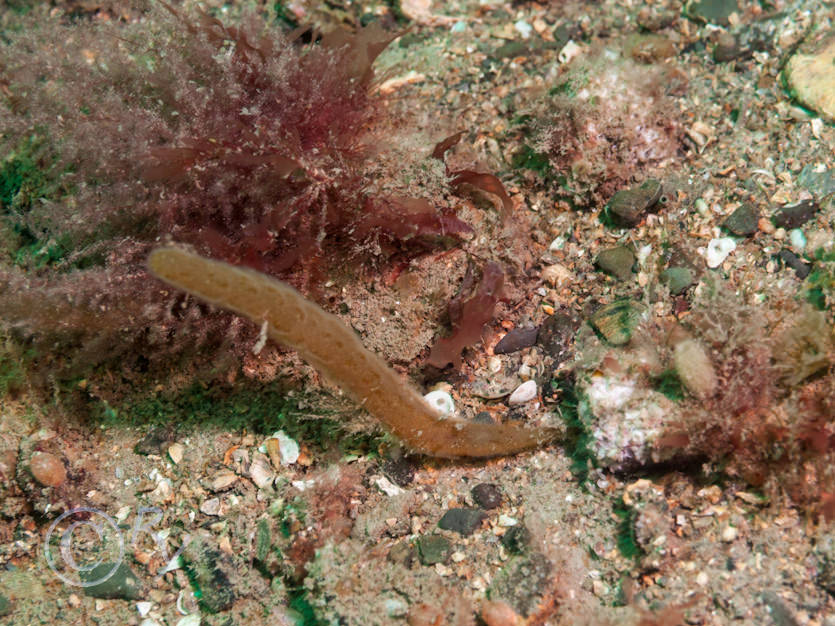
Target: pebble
[
  {"x": 525, "y": 392},
  {"x": 743, "y": 221},
  {"x": 143, "y": 608},
  {"x": 797, "y": 239},
  {"x": 47, "y": 469},
  {"x": 615, "y": 322},
  {"x": 211, "y": 507},
  {"x": 556, "y": 335},
  {"x": 498, "y": 613},
  {"x": 287, "y": 447},
  {"x": 801, "y": 268},
  {"x": 516, "y": 340},
  {"x": 175, "y": 452},
  {"x": 718, "y": 250},
  {"x": 122, "y": 584},
  {"x": 441, "y": 401},
  {"x": 189, "y": 620},
  {"x": 617, "y": 262},
  {"x": 677, "y": 279},
  {"x": 627, "y": 206},
  {"x": 433, "y": 549},
  {"x": 487, "y": 495},
  {"x": 463, "y": 521},
  {"x": 795, "y": 215},
  {"x": 711, "y": 11}
]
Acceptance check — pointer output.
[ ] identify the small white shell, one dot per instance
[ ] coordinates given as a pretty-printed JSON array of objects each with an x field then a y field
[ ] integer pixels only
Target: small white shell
[
  {"x": 441, "y": 401},
  {"x": 523, "y": 393}
]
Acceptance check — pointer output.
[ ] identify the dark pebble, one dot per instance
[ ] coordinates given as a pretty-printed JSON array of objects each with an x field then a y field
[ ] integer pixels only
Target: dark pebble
[
  {"x": 433, "y": 549},
  {"x": 487, "y": 495},
  {"x": 556, "y": 336},
  {"x": 483, "y": 417},
  {"x": 517, "y": 539},
  {"x": 742, "y": 222},
  {"x": 801, "y": 269},
  {"x": 795, "y": 215},
  {"x": 516, "y": 339},
  {"x": 462, "y": 521},
  {"x": 627, "y": 206},
  {"x": 122, "y": 584},
  {"x": 5, "y": 606},
  {"x": 400, "y": 470}
]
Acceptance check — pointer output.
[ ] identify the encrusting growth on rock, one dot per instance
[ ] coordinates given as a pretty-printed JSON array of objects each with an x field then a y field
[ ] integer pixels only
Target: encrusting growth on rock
[{"x": 327, "y": 344}]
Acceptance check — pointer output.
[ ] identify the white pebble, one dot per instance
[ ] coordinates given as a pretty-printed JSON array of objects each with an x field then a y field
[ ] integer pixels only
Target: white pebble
[
  {"x": 523, "y": 393},
  {"x": 144, "y": 608},
  {"x": 441, "y": 401},
  {"x": 506, "y": 520},
  {"x": 729, "y": 533},
  {"x": 287, "y": 447},
  {"x": 797, "y": 240},
  {"x": 718, "y": 250}
]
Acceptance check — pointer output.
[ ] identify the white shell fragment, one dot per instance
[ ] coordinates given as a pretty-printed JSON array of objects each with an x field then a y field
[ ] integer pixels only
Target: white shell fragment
[
  {"x": 441, "y": 401},
  {"x": 523, "y": 393},
  {"x": 718, "y": 250},
  {"x": 287, "y": 447}
]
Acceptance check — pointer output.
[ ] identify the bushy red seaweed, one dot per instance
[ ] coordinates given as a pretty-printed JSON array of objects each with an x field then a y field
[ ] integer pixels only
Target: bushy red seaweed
[{"x": 241, "y": 141}]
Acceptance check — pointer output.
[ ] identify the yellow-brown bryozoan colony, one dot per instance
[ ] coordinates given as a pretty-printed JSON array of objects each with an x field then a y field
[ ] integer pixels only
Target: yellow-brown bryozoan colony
[{"x": 327, "y": 344}]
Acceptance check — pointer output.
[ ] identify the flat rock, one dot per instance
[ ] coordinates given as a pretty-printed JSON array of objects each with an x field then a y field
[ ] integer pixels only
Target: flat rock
[
  {"x": 516, "y": 340},
  {"x": 463, "y": 521},
  {"x": 433, "y": 549},
  {"x": 122, "y": 584},
  {"x": 743, "y": 221},
  {"x": 617, "y": 262},
  {"x": 522, "y": 582},
  {"x": 795, "y": 215}
]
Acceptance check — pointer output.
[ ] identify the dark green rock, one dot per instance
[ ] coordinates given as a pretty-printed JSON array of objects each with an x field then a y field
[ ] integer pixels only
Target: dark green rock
[
  {"x": 517, "y": 539},
  {"x": 795, "y": 215},
  {"x": 433, "y": 549},
  {"x": 627, "y": 207},
  {"x": 743, "y": 221},
  {"x": 617, "y": 262},
  {"x": 122, "y": 584},
  {"x": 677, "y": 279},
  {"x": 487, "y": 495},
  {"x": 522, "y": 582},
  {"x": 5, "y": 606},
  {"x": 510, "y": 49},
  {"x": 711, "y": 11},
  {"x": 462, "y": 520},
  {"x": 615, "y": 322}
]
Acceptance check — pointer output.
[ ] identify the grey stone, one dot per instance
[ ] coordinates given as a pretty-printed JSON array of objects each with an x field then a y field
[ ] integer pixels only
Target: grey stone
[
  {"x": 743, "y": 221},
  {"x": 122, "y": 584},
  {"x": 627, "y": 206},
  {"x": 462, "y": 520},
  {"x": 433, "y": 549},
  {"x": 617, "y": 261},
  {"x": 711, "y": 11},
  {"x": 677, "y": 279}
]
